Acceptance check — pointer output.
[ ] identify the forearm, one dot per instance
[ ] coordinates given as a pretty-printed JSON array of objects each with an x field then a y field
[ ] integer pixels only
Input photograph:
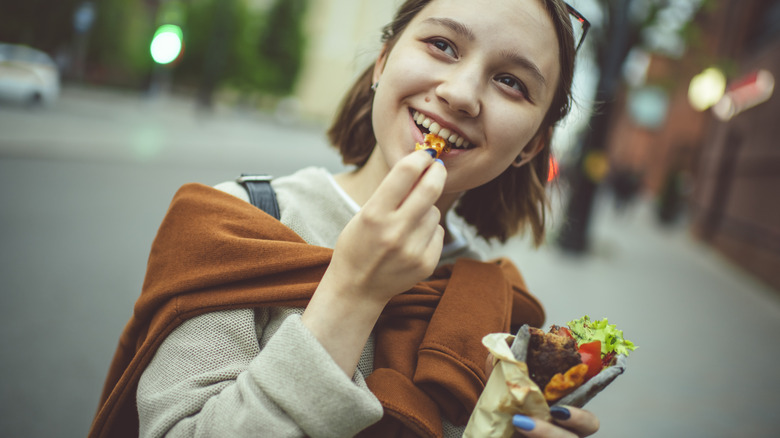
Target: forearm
[
  {"x": 341, "y": 323},
  {"x": 290, "y": 388}
]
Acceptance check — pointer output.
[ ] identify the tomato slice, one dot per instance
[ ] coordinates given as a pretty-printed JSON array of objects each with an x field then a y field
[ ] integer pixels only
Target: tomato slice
[
  {"x": 591, "y": 356},
  {"x": 562, "y": 331}
]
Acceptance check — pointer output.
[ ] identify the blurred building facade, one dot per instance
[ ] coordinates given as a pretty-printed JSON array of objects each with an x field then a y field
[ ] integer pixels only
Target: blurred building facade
[
  {"x": 343, "y": 40},
  {"x": 725, "y": 170},
  {"x": 737, "y": 207}
]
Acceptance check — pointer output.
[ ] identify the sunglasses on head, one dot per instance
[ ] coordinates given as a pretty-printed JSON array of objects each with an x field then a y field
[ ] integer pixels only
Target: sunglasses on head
[{"x": 584, "y": 25}]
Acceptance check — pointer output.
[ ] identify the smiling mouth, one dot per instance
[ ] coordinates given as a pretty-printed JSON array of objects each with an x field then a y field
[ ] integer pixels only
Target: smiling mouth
[{"x": 426, "y": 125}]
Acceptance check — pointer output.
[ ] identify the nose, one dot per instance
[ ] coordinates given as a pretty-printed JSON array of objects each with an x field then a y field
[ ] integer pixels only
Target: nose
[{"x": 460, "y": 91}]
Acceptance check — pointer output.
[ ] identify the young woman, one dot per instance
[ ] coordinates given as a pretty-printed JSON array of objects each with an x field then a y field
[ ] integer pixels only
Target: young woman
[{"x": 250, "y": 327}]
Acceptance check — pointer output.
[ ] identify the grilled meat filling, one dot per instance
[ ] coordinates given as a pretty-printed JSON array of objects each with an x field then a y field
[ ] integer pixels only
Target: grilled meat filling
[{"x": 549, "y": 354}]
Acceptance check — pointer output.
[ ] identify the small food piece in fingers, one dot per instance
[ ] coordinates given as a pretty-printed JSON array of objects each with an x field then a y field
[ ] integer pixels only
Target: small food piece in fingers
[{"x": 434, "y": 142}]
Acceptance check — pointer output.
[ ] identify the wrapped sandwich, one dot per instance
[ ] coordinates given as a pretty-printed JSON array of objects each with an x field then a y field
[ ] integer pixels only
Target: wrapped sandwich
[{"x": 534, "y": 370}]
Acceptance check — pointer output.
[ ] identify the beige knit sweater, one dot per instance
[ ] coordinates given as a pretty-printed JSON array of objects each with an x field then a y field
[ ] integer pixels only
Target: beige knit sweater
[{"x": 260, "y": 372}]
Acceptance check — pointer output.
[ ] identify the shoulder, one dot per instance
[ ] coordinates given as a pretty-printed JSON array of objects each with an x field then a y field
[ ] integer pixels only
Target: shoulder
[
  {"x": 302, "y": 182},
  {"x": 310, "y": 204},
  {"x": 233, "y": 188}
]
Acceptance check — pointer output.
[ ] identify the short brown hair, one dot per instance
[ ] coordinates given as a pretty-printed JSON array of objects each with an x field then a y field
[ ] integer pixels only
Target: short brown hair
[{"x": 514, "y": 200}]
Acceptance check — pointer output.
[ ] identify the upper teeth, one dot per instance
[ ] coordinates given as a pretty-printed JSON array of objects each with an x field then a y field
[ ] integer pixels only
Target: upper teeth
[{"x": 455, "y": 140}]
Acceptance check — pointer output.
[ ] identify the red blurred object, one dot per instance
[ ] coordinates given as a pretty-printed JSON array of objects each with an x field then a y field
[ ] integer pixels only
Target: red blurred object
[
  {"x": 748, "y": 91},
  {"x": 553, "y": 173}
]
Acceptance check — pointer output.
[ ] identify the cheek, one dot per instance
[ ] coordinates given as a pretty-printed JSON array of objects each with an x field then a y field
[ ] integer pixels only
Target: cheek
[
  {"x": 407, "y": 70},
  {"x": 381, "y": 116},
  {"x": 389, "y": 141},
  {"x": 399, "y": 83},
  {"x": 512, "y": 134}
]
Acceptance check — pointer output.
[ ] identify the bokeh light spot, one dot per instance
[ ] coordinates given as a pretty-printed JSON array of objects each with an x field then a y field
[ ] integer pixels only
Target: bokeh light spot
[
  {"x": 166, "y": 44},
  {"x": 706, "y": 89}
]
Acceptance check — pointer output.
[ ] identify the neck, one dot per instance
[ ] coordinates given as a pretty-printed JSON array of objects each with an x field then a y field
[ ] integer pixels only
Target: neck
[{"x": 362, "y": 182}]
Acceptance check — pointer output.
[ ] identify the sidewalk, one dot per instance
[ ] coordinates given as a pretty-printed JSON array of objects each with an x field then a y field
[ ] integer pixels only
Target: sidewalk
[{"x": 706, "y": 331}]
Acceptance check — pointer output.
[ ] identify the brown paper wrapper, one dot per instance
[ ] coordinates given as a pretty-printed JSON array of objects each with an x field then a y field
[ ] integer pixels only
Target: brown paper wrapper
[{"x": 511, "y": 391}]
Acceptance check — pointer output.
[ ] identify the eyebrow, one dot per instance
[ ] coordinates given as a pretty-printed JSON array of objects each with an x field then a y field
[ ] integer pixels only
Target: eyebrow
[
  {"x": 456, "y": 26},
  {"x": 525, "y": 63},
  {"x": 513, "y": 57}
]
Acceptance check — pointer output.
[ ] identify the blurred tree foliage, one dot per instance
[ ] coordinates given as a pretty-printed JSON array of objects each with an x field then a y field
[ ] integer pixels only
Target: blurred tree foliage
[
  {"x": 227, "y": 43},
  {"x": 265, "y": 50},
  {"x": 43, "y": 24},
  {"x": 119, "y": 43},
  {"x": 281, "y": 43}
]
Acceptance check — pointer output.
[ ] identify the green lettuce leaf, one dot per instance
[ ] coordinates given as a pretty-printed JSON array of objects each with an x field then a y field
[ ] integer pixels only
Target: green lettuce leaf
[{"x": 584, "y": 330}]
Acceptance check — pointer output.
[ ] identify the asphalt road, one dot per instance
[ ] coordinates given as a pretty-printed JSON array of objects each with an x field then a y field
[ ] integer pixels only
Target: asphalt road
[{"x": 84, "y": 185}]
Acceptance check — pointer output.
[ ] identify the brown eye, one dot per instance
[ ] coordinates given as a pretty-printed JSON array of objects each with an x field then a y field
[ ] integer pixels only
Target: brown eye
[
  {"x": 443, "y": 46},
  {"x": 514, "y": 83}
]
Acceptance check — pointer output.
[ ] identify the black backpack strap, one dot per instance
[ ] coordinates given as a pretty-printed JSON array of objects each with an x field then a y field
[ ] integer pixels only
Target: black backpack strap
[{"x": 261, "y": 194}]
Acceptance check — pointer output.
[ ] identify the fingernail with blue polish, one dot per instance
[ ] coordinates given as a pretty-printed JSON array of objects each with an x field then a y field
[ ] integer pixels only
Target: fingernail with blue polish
[
  {"x": 560, "y": 413},
  {"x": 523, "y": 422},
  {"x": 438, "y": 160},
  {"x": 432, "y": 152}
]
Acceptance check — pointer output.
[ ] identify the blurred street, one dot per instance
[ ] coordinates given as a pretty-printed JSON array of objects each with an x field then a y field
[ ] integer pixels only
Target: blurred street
[{"x": 84, "y": 185}]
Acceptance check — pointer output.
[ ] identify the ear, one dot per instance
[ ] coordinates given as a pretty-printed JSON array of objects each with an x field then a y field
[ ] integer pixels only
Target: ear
[
  {"x": 533, "y": 147},
  {"x": 379, "y": 65}
]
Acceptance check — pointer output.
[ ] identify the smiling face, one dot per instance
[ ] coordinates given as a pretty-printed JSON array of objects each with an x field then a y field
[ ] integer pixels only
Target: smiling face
[{"x": 481, "y": 73}]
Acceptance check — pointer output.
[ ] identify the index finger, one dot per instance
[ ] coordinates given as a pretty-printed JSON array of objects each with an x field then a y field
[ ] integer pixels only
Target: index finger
[
  {"x": 397, "y": 184},
  {"x": 425, "y": 193}
]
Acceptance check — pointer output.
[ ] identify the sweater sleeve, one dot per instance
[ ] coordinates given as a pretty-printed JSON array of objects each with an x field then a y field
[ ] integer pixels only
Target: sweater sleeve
[{"x": 210, "y": 378}]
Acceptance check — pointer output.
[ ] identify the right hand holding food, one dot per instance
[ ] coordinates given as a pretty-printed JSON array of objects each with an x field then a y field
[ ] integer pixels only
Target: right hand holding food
[
  {"x": 393, "y": 243},
  {"x": 395, "y": 240}
]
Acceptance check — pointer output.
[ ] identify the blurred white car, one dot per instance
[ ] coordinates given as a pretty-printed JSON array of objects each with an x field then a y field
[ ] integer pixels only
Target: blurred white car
[{"x": 27, "y": 75}]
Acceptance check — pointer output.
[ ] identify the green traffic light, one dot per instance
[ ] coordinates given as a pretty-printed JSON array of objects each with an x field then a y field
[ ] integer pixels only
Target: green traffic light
[{"x": 166, "y": 44}]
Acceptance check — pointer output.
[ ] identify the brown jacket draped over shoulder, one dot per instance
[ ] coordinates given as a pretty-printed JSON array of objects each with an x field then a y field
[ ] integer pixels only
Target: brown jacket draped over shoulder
[{"x": 214, "y": 251}]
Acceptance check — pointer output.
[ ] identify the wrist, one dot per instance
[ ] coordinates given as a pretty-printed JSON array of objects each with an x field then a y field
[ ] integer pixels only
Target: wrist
[
  {"x": 342, "y": 324},
  {"x": 343, "y": 310}
]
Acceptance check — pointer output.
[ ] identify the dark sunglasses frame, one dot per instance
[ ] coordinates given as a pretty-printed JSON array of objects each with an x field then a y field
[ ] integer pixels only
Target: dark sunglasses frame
[{"x": 583, "y": 21}]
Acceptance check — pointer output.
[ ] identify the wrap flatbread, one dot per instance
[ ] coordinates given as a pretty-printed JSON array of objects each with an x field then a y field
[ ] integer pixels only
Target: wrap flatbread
[{"x": 511, "y": 389}]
